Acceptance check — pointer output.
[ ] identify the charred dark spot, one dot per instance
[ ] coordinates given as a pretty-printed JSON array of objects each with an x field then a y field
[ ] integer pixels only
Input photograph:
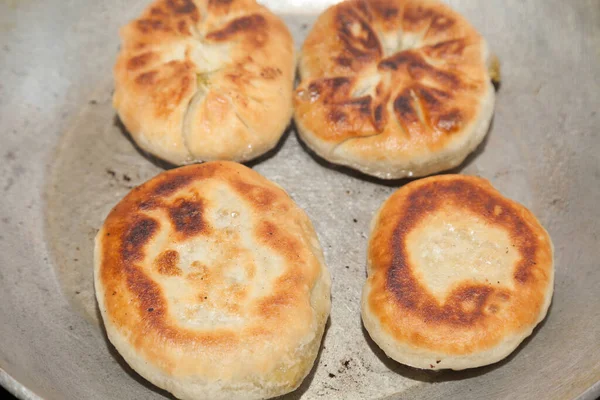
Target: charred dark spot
[
  {"x": 181, "y": 6},
  {"x": 398, "y": 59},
  {"x": 139, "y": 61},
  {"x": 430, "y": 97},
  {"x": 404, "y": 109},
  {"x": 187, "y": 217},
  {"x": 172, "y": 184},
  {"x": 418, "y": 68},
  {"x": 248, "y": 23},
  {"x": 378, "y": 115},
  {"x": 362, "y": 44},
  {"x": 136, "y": 237},
  {"x": 219, "y": 2},
  {"x": 433, "y": 104},
  {"x": 148, "y": 205},
  {"x": 337, "y": 116},
  {"x": 147, "y": 78},
  {"x": 363, "y": 9},
  {"x": 337, "y": 83},
  {"x": 344, "y": 61},
  {"x": 362, "y": 104}
]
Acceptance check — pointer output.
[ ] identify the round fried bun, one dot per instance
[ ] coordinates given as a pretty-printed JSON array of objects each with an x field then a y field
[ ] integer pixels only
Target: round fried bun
[
  {"x": 212, "y": 284},
  {"x": 394, "y": 88},
  {"x": 205, "y": 80},
  {"x": 458, "y": 275}
]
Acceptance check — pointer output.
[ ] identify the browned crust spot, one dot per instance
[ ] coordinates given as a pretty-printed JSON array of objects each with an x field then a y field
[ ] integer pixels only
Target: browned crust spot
[
  {"x": 152, "y": 25},
  {"x": 466, "y": 304},
  {"x": 183, "y": 28},
  {"x": 360, "y": 41},
  {"x": 270, "y": 72},
  {"x": 219, "y": 2},
  {"x": 259, "y": 197},
  {"x": 182, "y": 6},
  {"x": 172, "y": 184},
  {"x": 187, "y": 217},
  {"x": 147, "y": 78},
  {"x": 157, "y": 12},
  {"x": 250, "y": 23},
  {"x": 384, "y": 9},
  {"x": 420, "y": 14},
  {"x": 167, "y": 263},
  {"x": 454, "y": 47},
  {"x": 134, "y": 238},
  {"x": 418, "y": 68},
  {"x": 140, "y": 61},
  {"x": 270, "y": 234}
]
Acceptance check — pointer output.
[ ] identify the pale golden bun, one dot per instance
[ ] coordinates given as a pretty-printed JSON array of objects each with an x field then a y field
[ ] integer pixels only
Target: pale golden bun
[{"x": 205, "y": 80}]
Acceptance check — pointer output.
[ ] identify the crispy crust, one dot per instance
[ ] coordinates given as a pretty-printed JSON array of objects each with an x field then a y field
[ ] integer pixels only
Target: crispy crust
[
  {"x": 476, "y": 321},
  {"x": 212, "y": 284},
  {"x": 204, "y": 80},
  {"x": 393, "y": 88}
]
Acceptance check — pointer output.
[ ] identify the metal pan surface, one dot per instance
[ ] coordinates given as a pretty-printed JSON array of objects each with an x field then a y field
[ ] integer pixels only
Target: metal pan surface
[{"x": 65, "y": 161}]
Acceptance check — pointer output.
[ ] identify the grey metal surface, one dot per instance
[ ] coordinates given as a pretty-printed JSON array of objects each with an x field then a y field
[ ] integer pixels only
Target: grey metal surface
[{"x": 65, "y": 163}]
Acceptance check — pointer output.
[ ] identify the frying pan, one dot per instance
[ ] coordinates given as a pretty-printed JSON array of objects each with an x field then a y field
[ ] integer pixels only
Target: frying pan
[{"x": 66, "y": 160}]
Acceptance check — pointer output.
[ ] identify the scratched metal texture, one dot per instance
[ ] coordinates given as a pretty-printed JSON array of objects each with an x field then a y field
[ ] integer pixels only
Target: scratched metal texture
[{"x": 66, "y": 162}]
